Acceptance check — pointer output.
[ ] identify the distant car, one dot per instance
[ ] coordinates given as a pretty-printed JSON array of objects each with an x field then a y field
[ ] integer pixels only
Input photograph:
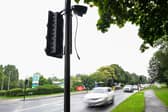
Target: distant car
[
  {"x": 99, "y": 96},
  {"x": 135, "y": 87},
  {"x": 80, "y": 88},
  {"x": 117, "y": 87},
  {"x": 128, "y": 88}
]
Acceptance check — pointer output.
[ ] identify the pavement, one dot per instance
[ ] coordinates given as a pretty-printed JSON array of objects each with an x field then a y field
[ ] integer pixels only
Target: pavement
[{"x": 152, "y": 103}]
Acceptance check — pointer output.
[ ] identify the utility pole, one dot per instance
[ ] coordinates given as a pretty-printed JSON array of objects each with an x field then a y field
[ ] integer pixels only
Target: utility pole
[{"x": 68, "y": 29}]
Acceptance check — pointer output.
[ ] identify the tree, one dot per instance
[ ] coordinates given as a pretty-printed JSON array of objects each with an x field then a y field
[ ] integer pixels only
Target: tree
[
  {"x": 43, "y": 80},
  {"x": 142, "y": 79},
  {"x": 2, "y": 77},
  {"x": 75, "y": 81},
  {"x": 21, "y": 84},
  {"x": 11, "y": 76},
  {"x": 87, "y": 81},
  {"x": 150, "y": 15},
  {"x": 153, "y": 69},
  {"x": 119, "y": 73},
  {"x": 158, "y": 69}
]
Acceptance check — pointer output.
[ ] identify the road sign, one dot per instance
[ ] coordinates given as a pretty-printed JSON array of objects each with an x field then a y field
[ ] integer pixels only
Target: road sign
[{"x": 35, "y": 80}]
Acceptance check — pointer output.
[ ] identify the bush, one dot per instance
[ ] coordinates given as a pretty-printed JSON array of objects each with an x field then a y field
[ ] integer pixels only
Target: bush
[
  {"x": 15, "y": 92},
  {"x": 30, "y": 91},
  {"x": 46, "y": 89},
  {"x": 2, "y": 92}
]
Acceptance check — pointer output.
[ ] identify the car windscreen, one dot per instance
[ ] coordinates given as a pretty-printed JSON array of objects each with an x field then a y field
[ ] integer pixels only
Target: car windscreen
[
  {"x": 99, "y": 91},
  {"x": 128, "y": 86}
]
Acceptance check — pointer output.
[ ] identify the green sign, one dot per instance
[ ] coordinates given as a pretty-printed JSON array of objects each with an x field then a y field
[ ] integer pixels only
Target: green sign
[{"x": 35, "y": 80}]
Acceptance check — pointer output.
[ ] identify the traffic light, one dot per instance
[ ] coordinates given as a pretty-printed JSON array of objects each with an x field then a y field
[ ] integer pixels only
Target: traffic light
[
  {"x": 54, "y": 35},
  {"x": 26, "y": 82}
]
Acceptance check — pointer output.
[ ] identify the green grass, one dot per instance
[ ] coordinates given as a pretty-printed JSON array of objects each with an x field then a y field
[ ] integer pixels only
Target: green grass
[
  {"x": 162, "y": 94},
  {"x": 135, "y": 103}
]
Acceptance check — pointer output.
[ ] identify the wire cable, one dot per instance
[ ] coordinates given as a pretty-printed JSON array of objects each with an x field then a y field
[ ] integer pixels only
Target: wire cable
[{"x": 76, "y": 37}]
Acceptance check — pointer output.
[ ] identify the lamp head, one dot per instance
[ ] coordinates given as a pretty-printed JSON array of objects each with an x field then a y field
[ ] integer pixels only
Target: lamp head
[{"x": 79, "y": 9}]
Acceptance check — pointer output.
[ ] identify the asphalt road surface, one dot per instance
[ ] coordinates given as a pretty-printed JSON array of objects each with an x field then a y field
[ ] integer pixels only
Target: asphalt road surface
[{"x": 55, "y": 104}]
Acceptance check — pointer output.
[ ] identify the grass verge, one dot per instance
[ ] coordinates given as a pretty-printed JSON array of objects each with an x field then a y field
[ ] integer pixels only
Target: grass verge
[
  {"x": 135, "y": 103},
  {"x": 162, "y": 94}
]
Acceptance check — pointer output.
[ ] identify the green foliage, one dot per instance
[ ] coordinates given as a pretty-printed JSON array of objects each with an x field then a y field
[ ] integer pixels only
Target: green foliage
[
  {"x": 2, "y": 77},
  {"x": 21, "y": 83},
  {"x": 11, "y": 74},
  {"x": 75, "y": 81},
  {"x": 46, "y": 89},
  {"x": 108, "y": 75},
  {"x": 158, "y": 69},
  {"x": 2, "y": 92},
  {"x": 15, "y": 92},
  {"x": 150, "y": 15},
  {"x": 87, "y": 81},
  {"x": 134, "y": 103}
]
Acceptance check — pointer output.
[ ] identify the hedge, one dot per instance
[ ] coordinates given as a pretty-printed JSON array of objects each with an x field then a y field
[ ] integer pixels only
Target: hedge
[
  {"x": 46, "y": 89},
  {"x": 15, "y": 92},
  {"x": 2, "y": 92}
]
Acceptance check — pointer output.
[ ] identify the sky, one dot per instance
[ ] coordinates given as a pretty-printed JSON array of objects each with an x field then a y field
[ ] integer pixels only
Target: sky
[{"x": 22, "y": 41}]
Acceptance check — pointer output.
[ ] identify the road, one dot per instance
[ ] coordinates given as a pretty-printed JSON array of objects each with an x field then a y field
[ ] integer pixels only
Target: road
[{"x": 55, "y": 104}]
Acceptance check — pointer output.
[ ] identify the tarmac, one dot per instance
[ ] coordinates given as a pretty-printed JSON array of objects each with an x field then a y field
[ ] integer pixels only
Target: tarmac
[{"x": 152, "y": 103}]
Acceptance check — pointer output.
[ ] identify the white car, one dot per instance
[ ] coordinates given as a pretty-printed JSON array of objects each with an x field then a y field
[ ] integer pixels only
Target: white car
[
  {"x": 99, "y": 96},
  {"x": 128, "y": 88},
  {"x": 135, "y": 87}
]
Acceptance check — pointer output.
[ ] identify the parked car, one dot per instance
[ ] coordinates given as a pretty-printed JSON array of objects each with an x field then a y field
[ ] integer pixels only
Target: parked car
[
  {"x": 99, "y": 96},
  {"x": 128, "y": 88}
]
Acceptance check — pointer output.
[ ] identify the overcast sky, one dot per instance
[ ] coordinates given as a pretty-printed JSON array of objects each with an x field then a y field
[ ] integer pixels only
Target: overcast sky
[{"x": 22, "y": 41}]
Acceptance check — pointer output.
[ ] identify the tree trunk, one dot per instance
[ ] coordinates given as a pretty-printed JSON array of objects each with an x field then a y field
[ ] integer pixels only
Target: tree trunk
[{"x": 2, "y": 86}]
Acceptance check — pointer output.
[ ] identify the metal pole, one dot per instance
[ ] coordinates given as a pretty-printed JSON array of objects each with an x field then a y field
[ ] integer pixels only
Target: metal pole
[
  {"x": 25, "y": 84},
  {"x": 24, "y": 93},
  {"x": 67, "y": 56}
]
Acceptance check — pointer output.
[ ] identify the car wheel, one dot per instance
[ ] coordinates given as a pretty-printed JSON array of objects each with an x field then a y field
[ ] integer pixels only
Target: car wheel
[{"x": 112, "y": 101}]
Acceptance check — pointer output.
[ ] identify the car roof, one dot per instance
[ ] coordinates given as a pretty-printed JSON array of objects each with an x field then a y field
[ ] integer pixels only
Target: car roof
[{"x": 102, "y": 88}]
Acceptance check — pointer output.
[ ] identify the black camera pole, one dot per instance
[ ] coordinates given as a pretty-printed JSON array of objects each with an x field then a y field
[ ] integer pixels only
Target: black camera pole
[{"x": 68, "y": 30}]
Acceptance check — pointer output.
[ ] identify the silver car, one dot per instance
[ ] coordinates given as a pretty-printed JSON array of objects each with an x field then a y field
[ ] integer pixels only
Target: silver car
[
  {"x": 99, "y": 96},
  {"x": 128, "y": 88}
]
